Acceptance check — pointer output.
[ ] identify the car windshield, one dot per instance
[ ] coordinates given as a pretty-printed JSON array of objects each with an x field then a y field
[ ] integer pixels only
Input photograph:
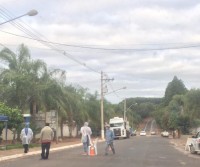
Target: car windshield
[{"x": 116, "y": 124}]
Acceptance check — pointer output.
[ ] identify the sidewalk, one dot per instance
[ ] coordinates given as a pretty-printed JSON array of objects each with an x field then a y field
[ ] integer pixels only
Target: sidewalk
[
  {"x": 16, "y": 153},
  {"x": 180, "y": 143}
]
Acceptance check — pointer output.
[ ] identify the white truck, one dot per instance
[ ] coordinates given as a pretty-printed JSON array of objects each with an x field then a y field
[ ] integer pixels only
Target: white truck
[{"x": 120, "y": 127}]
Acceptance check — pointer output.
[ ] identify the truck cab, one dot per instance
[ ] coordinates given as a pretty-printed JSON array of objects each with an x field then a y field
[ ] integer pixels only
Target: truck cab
[{"x": 120, "y": 127}]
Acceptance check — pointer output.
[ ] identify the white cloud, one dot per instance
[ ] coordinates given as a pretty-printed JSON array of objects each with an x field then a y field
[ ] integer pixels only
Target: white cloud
[{"x": 115, "y": 24}]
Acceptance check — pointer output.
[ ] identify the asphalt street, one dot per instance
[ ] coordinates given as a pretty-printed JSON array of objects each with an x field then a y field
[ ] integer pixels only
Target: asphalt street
[{"x": 139, "y": 151}]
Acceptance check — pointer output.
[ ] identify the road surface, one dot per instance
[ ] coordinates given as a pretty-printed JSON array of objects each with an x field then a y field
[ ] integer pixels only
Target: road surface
[{"x": 139, "y": 151}]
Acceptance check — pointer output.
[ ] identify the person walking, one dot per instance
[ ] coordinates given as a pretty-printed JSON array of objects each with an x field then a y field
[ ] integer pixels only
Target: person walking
[
  {"x": 109, "y": 140},
  {"x": 46, "y": 136},
  {"x": 85, "y": 139},
  {"x": 26, "y": 137}
]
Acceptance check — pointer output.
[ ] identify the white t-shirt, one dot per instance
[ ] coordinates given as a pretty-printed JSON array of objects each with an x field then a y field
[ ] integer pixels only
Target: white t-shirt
[
  {"x": 85, "y": 131},
  {"x": 26, "y": 138}
]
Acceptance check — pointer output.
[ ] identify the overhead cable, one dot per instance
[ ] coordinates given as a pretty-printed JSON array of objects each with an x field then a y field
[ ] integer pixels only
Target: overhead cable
[
  {"x": 109, "y": 49},
  {"x": 34, "y": 35}
]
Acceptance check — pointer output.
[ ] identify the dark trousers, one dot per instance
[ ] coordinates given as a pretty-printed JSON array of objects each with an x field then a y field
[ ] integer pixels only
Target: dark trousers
[
  {"x": 45, "y": 150},
  {"x": 25, "y": 148},
  {"x": 111, "y": 146}
]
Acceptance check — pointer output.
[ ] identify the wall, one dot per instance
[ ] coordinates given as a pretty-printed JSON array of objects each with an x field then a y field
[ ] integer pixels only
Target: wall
[{"x": 65, "y": 133}]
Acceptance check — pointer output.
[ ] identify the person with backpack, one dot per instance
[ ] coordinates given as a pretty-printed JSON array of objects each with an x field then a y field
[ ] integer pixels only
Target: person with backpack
[{"x": 26, "y": 137}]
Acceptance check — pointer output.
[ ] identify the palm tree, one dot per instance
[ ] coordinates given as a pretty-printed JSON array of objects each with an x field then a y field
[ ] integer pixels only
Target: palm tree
[
  {"x": 14, "y": 78},
  {"x": 28, "y": 84}
]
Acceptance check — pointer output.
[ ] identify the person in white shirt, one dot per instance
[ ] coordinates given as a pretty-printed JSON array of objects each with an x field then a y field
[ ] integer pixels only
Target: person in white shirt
[
  {"x": 85, "y": 139},
  {"x": 26, "y": 137}
]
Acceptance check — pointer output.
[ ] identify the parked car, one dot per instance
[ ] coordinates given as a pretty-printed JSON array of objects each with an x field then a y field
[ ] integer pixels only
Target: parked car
[
  {"x": 165, "y": 134},
  {"x": 143, "y": 133},
  {"x": 195, "y": 144},
  {"x": 153, "y": 133}
]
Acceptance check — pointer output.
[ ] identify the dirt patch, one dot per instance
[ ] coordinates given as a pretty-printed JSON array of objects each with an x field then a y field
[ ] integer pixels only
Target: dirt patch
[{"x": 179, "y": 143}]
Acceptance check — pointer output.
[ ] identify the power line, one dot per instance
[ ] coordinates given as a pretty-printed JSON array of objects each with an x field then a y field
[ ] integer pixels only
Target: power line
[
  {"x": 114, "y": 91},
  {"x": 46, "y": 43},
  {"x": 109, "y": 49},
  {"x": 6, "y": 14}
]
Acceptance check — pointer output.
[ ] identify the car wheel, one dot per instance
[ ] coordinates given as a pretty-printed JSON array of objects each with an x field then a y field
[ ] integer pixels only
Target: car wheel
[{"x": 192, "y": 150}]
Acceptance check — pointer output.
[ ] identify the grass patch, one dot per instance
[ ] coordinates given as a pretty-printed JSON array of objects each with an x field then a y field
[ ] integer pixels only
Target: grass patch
[{"x": 16, "y": 146}]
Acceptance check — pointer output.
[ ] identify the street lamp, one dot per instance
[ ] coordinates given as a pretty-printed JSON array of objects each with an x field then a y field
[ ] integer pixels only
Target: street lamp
[
  {"x": 32, "y": 12},
  {"x": 127, "y": 108}
]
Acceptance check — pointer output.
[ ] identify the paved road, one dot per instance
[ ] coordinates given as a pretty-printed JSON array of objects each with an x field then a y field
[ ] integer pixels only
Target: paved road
[{"x": 139, "y": 151}]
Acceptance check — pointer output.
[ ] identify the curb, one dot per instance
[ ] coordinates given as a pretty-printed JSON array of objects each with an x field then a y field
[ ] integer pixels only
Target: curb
[{"x": 37, "y": 152}]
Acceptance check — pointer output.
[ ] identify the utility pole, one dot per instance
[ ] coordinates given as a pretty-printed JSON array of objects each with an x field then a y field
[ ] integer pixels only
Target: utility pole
[
  {"x": 57, "y": 125},
  {"x": 102, "y": 114},
  {"x": 124, "y": 109},
  {"x": 103, "y": 80}
]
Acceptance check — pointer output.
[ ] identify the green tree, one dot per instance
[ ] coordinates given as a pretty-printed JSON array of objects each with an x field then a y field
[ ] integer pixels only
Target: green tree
[
  {"x": 172, "y": 121},
  {"x": 177, "y": 104},
  {"x": 15, "y": 119},
  {"x": 13, "y": 80},
  {"x": 184, "y": 123},
  {"x": 192, "y": 104},
  {"x": 145, "y": 109},
  {"x": 165, "y": 120},
  {"x": 175, "y": 87}
]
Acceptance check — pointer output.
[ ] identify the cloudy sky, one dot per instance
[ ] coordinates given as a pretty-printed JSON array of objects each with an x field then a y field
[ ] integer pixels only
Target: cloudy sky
[{"x": 142, "y": 44}]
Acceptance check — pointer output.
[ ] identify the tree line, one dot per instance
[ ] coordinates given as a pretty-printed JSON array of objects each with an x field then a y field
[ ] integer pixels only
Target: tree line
[
  {"x": 179, "y": 109},
  {"x": 29, "y": 86}
]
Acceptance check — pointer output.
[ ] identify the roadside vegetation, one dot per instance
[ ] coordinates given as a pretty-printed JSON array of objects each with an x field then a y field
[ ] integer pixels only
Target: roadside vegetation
[
  {"x": 29, "y": 86},
  {"x": 178, "y": 110}
]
